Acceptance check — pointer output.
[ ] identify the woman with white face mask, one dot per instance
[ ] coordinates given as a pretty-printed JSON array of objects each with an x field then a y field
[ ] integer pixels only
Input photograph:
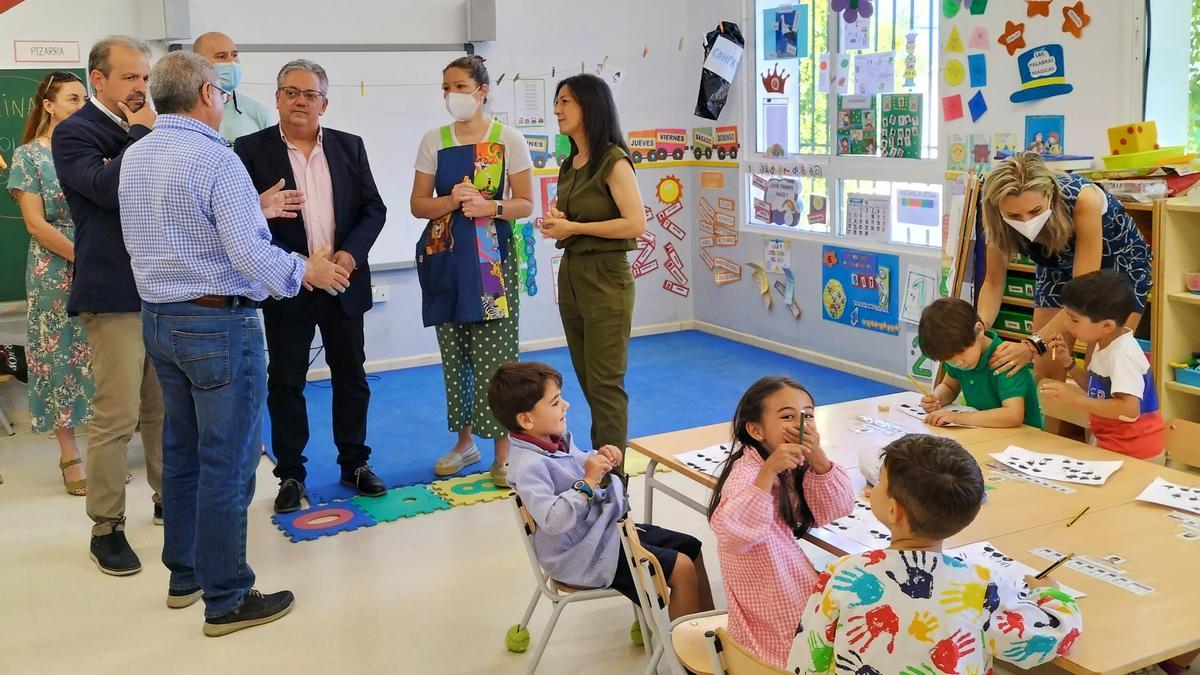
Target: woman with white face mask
[
  {"x": 1068, "y": 226},
  {"x": 473, "y": 178}
]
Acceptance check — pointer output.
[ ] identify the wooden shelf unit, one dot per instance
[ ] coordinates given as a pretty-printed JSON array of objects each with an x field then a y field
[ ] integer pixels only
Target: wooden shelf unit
[{"x": 1176, "y": 316}]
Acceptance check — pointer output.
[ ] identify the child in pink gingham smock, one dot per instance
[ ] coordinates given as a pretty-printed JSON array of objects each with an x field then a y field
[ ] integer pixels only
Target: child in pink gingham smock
[{"x": 776, "y": 485}]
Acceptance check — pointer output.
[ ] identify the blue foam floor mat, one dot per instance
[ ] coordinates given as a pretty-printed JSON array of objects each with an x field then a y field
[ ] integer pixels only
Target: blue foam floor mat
[{"x": 675, "y": 381}]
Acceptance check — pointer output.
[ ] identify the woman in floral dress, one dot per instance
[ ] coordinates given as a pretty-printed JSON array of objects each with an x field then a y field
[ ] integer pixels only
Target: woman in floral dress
[{"x": 60, "y": 377}]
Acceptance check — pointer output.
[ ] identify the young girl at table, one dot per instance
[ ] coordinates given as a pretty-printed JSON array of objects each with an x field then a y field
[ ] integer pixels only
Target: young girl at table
[{"x": 776, "y": 485}]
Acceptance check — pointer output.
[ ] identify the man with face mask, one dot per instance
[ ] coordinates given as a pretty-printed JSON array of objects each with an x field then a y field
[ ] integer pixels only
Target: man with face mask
[
  {"x": 243, "y": 115},
  {"x": 88, "y": 150},
  {"x": 343, "y": 213},
  {"x": 203, "y": 261}
]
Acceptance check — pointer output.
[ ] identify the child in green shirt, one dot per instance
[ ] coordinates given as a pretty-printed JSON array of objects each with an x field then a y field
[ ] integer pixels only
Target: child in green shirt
[{"x": 952, "y": 332}]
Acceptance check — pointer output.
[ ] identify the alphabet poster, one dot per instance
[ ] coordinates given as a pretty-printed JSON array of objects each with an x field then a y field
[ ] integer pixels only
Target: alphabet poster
[{"x": 900, "y": 126}]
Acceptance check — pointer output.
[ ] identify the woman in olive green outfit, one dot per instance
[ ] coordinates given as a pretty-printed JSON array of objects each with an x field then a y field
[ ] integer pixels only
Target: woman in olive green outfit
[
  {"x": 597, "y": 220},
  {"x": 60, "y": 379}
]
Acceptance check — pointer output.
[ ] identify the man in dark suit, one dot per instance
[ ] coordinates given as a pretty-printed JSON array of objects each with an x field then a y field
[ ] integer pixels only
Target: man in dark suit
[
  {"x": 343, "y": 213},
  {"x": 88, "y": 149}
]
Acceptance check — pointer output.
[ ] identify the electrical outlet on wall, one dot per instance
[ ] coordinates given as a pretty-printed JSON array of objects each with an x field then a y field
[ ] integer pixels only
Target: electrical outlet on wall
[{"x": 381, "y": 293}]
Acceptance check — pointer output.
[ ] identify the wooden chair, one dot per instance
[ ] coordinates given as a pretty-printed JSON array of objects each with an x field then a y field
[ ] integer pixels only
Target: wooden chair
[
  {"x": 680, "y": 643},
  {"x": 1183, "y": 442},
  {"x": 730, "y": 658},
  {"x": 559, "y": 594}
]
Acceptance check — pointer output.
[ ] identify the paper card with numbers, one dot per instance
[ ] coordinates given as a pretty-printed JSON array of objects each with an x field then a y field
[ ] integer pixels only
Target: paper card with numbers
[
  {"x": 868, "y": 216},
  {"x": 1057, "y": 467},
  {"x": 1003, "y": 568},
  {"x": 1172, "y": 495}
]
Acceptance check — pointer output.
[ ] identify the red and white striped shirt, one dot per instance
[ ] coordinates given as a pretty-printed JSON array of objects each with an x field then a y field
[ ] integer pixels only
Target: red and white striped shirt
[{"x": 767, "y": 576}]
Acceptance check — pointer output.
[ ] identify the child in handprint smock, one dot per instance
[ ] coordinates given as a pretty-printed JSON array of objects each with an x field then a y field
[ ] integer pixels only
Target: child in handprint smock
[{"x": 913, "y": 610}]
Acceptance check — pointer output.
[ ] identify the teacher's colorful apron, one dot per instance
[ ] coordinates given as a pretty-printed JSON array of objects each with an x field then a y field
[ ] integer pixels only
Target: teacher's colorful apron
[{"x": 460, "y": 259}]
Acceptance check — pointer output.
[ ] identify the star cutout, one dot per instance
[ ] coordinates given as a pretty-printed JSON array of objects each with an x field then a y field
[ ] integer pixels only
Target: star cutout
[
  {"x": 1036, "y": 7},
  {"x": 1074, "y": 19},
  {"x": 1013, "y": 37}
]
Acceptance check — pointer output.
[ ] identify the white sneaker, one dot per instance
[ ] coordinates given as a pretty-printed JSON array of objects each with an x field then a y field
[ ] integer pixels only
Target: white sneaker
[{"x": 453, "y": 462}]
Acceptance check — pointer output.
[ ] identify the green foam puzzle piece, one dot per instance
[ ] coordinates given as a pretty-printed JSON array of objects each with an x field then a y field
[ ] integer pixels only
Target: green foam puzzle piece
[{"x": 403, "y": 502}]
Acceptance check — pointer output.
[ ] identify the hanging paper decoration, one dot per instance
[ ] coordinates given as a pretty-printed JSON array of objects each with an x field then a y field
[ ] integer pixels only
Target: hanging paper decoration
[
  {"x": 979, "y": 38},
  {"x": 977, "y": 105},
  {"x": 774, "y": 81},
  {"x": 1074, "y": 19},
  {"x": 1013, "y": 38},
  {"x": 760, "y": 277},
  {"x": 910, "y": 60},
  {"x": 950, "y": 8},
  {"x": 952, "y": 107},
  {"x": 978, "y": 7},
  {"x": 977, "y": 65},
  {"x": 954, "y": 43},
  {"x": 669, "y": 190},
  {"x": 955, "y": 72},
  {"x": 788, "y": 291},
  {"x": 529, "y": 278},
  {"x": 1037, "y": 7},
  {"x": 852, "y": 9},
  {"x": 1042, "y": 74}
]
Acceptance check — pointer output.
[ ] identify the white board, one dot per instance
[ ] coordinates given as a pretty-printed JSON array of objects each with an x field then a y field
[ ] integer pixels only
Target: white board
[{"x": 401, "y": 101}]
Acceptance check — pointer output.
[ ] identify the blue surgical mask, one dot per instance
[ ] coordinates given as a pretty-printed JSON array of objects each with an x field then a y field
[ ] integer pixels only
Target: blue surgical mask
[{"x": 230, "y": 74}]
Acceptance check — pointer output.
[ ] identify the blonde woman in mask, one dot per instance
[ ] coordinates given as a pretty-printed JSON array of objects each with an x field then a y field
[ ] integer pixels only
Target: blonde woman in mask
[
  {"x": 473, "y": 178},
  {"x": 1068, "y": 226}
]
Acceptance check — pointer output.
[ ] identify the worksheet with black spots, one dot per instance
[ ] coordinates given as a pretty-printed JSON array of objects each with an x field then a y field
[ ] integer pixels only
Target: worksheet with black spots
[
  {"x": 862, "y": 527},
  {"x": 915, "y": 410},
  {"x": 708, "y": 460},
  {"x": 1058, "y": 467},
  {"x": 1003, "y": 568},
  {"x": 1183, "y": 497}
]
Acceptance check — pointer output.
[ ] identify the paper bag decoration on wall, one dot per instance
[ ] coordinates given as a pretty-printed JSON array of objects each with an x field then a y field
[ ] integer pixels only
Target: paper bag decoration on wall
[
  {"x": 1042, "y": 74},
  {"x": 722, "y": 54}
]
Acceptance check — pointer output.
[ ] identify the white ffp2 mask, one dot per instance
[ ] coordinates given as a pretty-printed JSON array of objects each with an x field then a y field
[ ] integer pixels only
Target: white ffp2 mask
[
  {"x": 1032, "y": 227},
  {"x": 462, "y": 106}
]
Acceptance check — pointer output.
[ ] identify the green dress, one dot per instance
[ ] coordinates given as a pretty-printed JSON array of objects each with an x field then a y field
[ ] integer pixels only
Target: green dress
[{"x": 60, "y": 365}]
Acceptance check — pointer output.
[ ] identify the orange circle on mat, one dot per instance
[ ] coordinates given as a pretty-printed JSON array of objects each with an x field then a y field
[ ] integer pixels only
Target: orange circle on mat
[{"x": 308, "y": 521}]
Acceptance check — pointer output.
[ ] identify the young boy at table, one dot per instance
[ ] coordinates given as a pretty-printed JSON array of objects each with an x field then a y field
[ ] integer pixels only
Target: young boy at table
[
  {"x": 952, "y": 332},
  {"x": 911, "y": 608},
  {"x": 577, "y": 542},
  {"x": 1117, "y": 389}
]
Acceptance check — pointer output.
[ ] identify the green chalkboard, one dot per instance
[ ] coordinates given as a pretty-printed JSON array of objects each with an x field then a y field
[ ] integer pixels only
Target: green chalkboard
[{"x": 17, "y": 88}]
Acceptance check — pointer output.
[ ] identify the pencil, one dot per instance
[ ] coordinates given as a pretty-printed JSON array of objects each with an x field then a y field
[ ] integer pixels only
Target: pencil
[
  {"x": 1085, "y": 510},
  {"x": 1056, "y": 565},
  {"x": 918, "y": 385}
]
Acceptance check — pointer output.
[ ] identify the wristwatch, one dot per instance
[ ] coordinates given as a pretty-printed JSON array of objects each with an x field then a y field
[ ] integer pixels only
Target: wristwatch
[
  {"x": 1039, "y": 345},
  {"x": 584, "y": 489},
  {"x": 499, "y": 209}
]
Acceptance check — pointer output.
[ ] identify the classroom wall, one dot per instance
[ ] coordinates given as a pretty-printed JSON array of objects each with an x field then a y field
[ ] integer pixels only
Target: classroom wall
[
  {"x": 534, "y": 37},
  {"x": 1169, "y": 70}
]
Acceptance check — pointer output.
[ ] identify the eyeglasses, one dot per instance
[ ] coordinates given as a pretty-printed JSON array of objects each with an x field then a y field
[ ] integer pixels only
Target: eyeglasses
[
  {"x": 226, "y": 96},
  {"x": 310, "y": 95}
]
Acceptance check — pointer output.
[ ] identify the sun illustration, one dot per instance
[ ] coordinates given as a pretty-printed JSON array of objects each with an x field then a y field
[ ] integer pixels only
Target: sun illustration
[{"x": 669, "y": 190}]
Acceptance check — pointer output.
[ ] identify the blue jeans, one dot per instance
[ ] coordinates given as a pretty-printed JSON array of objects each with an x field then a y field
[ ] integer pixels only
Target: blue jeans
[{"x": 212, "y": 368}]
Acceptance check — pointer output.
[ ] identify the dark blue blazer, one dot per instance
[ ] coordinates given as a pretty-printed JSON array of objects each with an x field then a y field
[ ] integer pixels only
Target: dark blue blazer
[
  {"x": 88, "y": 148},
  {"x": 358, "y": 211}
]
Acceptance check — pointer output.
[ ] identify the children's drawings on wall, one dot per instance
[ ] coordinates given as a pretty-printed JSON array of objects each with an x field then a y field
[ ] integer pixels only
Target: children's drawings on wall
[
  {"x": 1045, "y": 134},
  {"x": 920, "y": 289}
]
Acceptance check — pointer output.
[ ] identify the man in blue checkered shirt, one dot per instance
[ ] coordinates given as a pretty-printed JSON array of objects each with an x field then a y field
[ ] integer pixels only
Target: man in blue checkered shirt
[{"x": 203, "y": 260}]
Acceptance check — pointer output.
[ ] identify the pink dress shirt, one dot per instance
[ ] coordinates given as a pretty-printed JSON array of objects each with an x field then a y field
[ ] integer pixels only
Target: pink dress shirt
[
  {"x": 312, "y": 177},
  {"x": 767, "y": 576}
]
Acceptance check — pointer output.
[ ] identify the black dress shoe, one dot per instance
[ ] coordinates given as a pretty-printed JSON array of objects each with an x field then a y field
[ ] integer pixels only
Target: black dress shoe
[
  {"x": 365, "y": 481},
  {"x": 255, "y": 610},
  {"x": 179, "y": 598},
  {"x": 291, "y": 491},
  {"x": 113, "y": 555}
]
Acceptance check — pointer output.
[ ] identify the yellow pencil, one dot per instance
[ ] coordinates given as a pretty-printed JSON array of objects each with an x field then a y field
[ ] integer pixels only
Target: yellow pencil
[
  {"x": 1085, "y": 510},
  {"x": 919, "y": 386}
]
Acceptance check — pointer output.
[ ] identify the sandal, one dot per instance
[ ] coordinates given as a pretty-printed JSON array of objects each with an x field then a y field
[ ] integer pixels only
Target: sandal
[{"x": 76, "y": 488}]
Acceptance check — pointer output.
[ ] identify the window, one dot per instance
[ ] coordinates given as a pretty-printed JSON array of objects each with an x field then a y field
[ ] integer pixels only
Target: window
[
  {"x": 1173, "y": 74},
  {"x": 860, "y": 100}
]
